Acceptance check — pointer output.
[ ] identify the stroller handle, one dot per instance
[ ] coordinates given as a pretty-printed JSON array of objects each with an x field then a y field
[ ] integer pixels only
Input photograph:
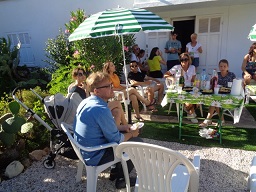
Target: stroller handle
[{"x": 28, "y": 109}]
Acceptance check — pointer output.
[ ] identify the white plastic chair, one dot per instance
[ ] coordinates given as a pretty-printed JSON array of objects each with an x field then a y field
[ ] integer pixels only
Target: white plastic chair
[
  {"x": 252, "y": 176},
  {"x": 119, "y": 95},
  {"x": 159, "y": 168},
  {"x": 92, "y": 172}
]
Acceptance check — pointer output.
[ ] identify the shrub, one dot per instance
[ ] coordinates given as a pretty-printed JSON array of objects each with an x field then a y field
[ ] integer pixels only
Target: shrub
[{"x": 63, "y": 56}]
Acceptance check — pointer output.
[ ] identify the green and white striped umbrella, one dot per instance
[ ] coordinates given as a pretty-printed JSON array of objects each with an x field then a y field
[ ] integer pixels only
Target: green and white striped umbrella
[
  {"x": 252, "y": 34},
  {"x": 119, "y": 21}
]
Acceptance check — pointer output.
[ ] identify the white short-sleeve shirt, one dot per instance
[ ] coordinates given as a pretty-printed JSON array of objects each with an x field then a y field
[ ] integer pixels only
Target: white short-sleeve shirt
[{"x": 187, "y": 74}]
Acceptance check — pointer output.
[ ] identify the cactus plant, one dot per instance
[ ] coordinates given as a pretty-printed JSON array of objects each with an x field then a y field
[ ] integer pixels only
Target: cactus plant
[{"x": 11, "y": 124}]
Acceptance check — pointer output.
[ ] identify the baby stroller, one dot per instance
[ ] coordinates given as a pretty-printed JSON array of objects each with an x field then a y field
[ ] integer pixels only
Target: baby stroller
[{"x": 59, "y": 109}]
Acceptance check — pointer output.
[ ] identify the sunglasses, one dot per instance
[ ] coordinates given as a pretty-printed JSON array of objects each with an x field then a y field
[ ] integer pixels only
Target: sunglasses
[
  {"x": 133, "y": 66},
  {"x": 185, "y": 59},
  {"x": 110, "y": 86},
  {"x": 80, "y": 74}
]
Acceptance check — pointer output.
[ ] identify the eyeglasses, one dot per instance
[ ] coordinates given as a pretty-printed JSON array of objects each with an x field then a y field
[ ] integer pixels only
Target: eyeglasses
[
  {"x": 110, "y": 86},
  {"x": 80, "y": 74},
  {"x": 133, "y": 66},
  {"x": 185, "y": 59}
]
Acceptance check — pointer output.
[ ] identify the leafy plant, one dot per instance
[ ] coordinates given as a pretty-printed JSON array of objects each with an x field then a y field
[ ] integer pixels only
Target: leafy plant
[
  {"x": 12, "y": 124},
  {"x": 63, "y": 55}
]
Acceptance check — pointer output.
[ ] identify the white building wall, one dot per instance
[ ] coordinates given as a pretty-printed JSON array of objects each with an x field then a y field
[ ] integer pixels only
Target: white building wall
[
  {"x": 237, "y": 22},
  {"x": 43, "y": 19}
]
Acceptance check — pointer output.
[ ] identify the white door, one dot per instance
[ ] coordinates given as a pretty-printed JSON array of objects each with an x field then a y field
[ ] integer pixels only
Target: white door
[
  {"x": 157, "y": 39},
  {"x": 209, "y": 35}
]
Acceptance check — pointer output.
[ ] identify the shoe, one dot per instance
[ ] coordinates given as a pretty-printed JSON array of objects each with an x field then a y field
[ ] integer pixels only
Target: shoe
[
  {"x": 152, "y": 103},
  {"x": 139, "y": 118},
  {"x": 205, "y": 123},
  {"x": 192, "y": 118},
  {"x": 120, "y": 182}
]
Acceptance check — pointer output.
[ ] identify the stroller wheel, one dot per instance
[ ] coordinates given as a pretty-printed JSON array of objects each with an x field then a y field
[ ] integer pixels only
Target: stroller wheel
[{"x": 49, "y": 164}]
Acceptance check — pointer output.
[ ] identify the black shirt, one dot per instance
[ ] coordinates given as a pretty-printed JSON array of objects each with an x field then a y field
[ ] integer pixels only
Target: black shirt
[
  {"x": 136, "y": 76},
  {"x": 78, "y": 90}
]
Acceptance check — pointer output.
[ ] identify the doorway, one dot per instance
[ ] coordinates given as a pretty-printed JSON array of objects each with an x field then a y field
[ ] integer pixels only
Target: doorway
[{"x": 184, "y": 28}]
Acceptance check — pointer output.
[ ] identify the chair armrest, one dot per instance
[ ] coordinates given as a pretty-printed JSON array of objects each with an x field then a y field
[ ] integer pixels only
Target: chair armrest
[
  {"x": 66, "y": 127},
  {"x": 98, "y": 147},
  {"x": 196, "y": 162}
]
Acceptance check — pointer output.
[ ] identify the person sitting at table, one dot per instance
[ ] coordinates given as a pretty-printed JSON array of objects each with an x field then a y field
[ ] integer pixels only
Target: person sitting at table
[
  {"x": 249, "y": 65},
  {"x": 154, "y": 62},
  {"x": 79, "y": 86},
  {"x": 189, "y": 73},
  {"x": 224, "y": 76},
  {"x": 134, "y": 95},
  {"x": 137, "y": 78}
]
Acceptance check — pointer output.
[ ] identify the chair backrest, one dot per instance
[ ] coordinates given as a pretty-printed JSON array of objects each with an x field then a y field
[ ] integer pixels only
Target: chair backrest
[
  {"x": 158, "y": 167},
  {"x": 67, "y": 129}
]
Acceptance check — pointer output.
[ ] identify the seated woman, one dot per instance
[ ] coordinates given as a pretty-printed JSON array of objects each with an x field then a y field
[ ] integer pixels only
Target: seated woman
[
  {"x": 224, "y": 76},
  {"x": 137, "y": 78},
  {"x": 249, "y": 65},
  {"x": 134, "y": 96},
  {"x": 154, "y": 62},
  {"x": 78, "y": 74},
  {"x": 189, "y": 73}
]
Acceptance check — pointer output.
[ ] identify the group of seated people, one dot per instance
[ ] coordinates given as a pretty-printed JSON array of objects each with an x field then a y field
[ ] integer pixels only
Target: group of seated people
[{"x": 99, "y": 121}]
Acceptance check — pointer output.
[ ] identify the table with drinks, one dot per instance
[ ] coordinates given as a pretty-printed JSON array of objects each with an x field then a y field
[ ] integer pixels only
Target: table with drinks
[{"x": 196, "y": 96}]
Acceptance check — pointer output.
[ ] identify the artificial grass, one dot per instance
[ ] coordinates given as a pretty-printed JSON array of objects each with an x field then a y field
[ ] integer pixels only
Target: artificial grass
[
  {"x": 235, "y": 138},
  {"x": 232, "y": 137}
]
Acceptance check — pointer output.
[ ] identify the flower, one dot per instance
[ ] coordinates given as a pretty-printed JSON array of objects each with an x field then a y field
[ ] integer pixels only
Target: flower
[
  {"x": 126, "y": 48},
  {"x": 76, "y": 54}
]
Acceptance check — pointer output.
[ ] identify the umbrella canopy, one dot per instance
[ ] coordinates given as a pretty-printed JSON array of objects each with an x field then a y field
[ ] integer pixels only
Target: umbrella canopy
[
  {"x": 252, "y": 34},
  {"x": 119, "y": 21}
]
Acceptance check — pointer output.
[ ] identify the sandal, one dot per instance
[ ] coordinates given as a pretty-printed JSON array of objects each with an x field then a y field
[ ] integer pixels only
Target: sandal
[
  {"x": 139, "y": 118},
  {"x": 205, "y": 123},
  {"x": 152, "y": 103}
]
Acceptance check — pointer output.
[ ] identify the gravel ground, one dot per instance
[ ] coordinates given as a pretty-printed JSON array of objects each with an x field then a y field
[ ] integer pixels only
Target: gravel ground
[{"x": 222, "y": 170}]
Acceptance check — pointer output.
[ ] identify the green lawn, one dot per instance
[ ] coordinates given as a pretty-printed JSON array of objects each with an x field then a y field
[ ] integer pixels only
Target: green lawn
[{"x": 232, "y": 137}]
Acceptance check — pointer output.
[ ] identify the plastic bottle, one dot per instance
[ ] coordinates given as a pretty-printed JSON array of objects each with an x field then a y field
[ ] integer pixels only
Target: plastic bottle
[
  {"x": 204, "y": 78},
  {"x": 247, "y": 95},
  {"x": 177, "y": 78},
  {"x": 214, "y": 79},
  {"x": 197, "y": 81}
]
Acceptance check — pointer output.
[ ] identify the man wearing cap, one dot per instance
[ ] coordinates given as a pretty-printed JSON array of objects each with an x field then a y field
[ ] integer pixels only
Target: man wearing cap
[{"x": 173, "y": 49}]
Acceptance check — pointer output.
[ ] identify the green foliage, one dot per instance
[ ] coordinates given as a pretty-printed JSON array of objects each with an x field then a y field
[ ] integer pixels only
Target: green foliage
[
  {"x": 90, "y": 53},
  {"x": 14, "y": 107},
  {"x": 11, "y": 126},
  {"x": 8, "y": 57}
]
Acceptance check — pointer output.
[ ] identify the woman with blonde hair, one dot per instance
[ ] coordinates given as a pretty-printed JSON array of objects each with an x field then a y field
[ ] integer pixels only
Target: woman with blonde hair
[
  {"x": 189, "y": 72},
  {"x": 79, "y": 86},
  {"x": 194, "y": 48},
  {"x": 134, "y": 96}
]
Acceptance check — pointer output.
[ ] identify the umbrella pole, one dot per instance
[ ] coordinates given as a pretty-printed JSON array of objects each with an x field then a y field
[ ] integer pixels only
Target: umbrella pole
[{"x": 126, "y": 83}]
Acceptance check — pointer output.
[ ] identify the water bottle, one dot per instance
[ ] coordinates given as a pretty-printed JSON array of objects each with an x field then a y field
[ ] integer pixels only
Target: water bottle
[
  {"x": 204, "y": 79},
  {"x": 197, "y": 81},
  {"x": 177, "y": 78},
  {"x": 247, "y": 95}
]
